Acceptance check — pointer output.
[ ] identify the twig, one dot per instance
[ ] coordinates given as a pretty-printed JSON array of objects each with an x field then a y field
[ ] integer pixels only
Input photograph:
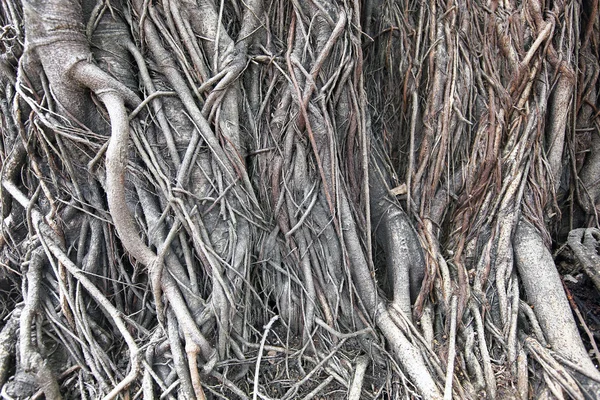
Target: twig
[
  {"x": 147, "y": 100},
  {"x": 260, "y": 352},
  {"x": 451, "y": 350},
  {"x": 340, "y": 335},
  {"x": 318, "y": 389},
  {"x": 582, "y": 322},
  {"x": 294, "y": 389}
]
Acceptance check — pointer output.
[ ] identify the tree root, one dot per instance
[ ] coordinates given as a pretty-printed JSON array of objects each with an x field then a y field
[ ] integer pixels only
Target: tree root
[
  {"x": 224, "y": 226},
  {"x": 584, "y": 243},
  {"x": 546, "y": 295},
  {"x": 357, "y": 381}
]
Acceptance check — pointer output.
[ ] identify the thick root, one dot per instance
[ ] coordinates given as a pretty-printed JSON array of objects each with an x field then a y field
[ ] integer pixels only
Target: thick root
[{"x": 546, "y": 295}]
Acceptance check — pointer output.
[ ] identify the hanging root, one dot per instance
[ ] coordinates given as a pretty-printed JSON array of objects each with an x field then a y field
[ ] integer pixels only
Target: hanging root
[{"x": 296, "y": 199}]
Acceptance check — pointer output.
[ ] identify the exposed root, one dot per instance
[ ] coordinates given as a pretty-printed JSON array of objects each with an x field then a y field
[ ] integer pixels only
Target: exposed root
[
  {"x": 584, "y": 243},
  {"x": 190, "y": 189}
]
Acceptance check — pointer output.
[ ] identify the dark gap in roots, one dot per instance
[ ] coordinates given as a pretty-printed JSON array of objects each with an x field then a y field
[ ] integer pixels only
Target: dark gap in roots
[
  {"x": 10, "y": 288},
  {"x": 587, "y": 300},
  {"x": 258, "y": 311},
  {"x": 382, "y": 275}
]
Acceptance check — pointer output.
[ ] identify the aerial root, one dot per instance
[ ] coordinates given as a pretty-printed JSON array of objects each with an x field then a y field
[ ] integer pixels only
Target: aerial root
[
  {"x": 408, "y": 355},
  {"x": 213, "y": 228},
  {"x": 551, "y": 367},
  {"x": 30, "y": 358}
]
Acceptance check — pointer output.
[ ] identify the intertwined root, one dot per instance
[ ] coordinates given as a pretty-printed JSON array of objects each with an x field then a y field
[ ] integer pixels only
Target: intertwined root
[{"x": 201, "y": 197}]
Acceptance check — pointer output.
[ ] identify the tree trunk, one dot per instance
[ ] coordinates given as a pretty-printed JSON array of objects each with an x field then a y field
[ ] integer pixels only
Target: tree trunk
[{"x": 298, "y": 199}]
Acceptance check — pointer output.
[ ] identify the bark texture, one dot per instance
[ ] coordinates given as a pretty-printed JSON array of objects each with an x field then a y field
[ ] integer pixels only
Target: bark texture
[{"x": 297, "y": 199}]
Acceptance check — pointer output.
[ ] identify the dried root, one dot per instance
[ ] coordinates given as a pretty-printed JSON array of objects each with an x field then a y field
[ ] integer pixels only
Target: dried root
[{"x": 296, "y": 199}]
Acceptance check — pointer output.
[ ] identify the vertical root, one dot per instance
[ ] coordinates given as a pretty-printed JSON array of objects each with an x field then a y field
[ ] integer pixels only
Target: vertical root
[{"x": 30, "y": 357}]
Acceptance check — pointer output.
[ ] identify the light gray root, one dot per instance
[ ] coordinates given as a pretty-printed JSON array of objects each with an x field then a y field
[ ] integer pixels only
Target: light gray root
[
  {"x": 405, "y": 263},
  {"x": 584, "y": 243},
  {"x": 545, "y": 293}
]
